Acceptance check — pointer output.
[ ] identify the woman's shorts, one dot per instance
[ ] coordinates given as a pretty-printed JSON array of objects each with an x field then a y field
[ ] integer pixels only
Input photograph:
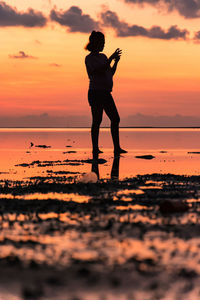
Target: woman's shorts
[
  {"x": 99, "y": 98},
  {"x": 103, "y": 101}
]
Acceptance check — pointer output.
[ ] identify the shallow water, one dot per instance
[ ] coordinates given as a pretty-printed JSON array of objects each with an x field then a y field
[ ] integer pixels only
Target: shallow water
[
  {"x": 175, "y": 151},
  {"x": 111, "y": 236}
]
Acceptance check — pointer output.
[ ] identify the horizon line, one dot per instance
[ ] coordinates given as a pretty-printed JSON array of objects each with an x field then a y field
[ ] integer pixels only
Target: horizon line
[{"x": 104, "y": 127}]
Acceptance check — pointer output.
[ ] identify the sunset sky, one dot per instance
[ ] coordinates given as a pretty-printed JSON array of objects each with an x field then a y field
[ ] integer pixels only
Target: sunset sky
[{"x": 42, "y": 55}]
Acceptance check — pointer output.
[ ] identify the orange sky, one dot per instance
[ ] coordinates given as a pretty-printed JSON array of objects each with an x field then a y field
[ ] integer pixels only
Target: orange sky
[{"x": 155, "y": 76}]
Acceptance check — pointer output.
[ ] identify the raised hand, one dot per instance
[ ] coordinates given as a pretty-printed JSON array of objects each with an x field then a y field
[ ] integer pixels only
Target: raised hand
[
  {"x": 116, "y": 55},
  {"x": 116, "y": 59}
]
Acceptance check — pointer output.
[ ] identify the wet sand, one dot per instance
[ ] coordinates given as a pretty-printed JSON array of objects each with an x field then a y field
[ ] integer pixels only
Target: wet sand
[{"x": 122, "y": 237}]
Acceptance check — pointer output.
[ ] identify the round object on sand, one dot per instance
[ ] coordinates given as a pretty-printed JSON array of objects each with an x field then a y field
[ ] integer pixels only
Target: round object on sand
[{"x": 90, "y": 177}]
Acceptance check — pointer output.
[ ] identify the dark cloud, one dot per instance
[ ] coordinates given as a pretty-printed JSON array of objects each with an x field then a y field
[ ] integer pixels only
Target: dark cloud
[
  {"x": 74, "y": 19},
  {"x": 9, "y": 16},
  {"x": 22, "y": 55},
  {"x": 123, "y": 29},
  {"x": 55, "y": 65},
  {"x": 186, "y": 8}
]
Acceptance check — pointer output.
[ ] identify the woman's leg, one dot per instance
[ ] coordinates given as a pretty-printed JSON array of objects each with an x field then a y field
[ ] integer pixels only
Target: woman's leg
[
  {"x": 111, "y": 111},
  {"x": 97, "y": 113}
]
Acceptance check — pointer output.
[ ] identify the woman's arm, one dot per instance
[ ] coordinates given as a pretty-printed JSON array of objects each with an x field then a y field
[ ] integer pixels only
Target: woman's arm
[
  {"x": 95, "y": 66},
  {"x": 114, "y": 67},
  {"x": 116, "y": 57}
]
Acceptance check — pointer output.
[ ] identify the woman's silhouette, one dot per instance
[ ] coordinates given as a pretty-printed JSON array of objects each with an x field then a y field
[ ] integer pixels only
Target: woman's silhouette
[
  {"x": 114, "y": 171},
  {"x": 100, "y": 99}
]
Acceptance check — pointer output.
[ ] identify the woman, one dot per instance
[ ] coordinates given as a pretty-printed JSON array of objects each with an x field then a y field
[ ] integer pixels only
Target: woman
[{"x": 100, "y": 74}]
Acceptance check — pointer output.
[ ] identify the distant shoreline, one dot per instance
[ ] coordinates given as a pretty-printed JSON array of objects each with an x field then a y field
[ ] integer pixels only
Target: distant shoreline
[{"x": 127, "y": 127}]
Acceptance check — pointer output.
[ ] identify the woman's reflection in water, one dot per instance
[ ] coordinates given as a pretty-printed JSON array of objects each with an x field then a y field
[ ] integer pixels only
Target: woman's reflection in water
[{"x": 115, "y": 167}]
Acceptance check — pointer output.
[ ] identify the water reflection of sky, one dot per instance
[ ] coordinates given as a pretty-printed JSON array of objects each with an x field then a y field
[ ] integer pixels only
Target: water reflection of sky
[
  {"x": 119, "y": 227},
  {"x": 169, "y": 146}
]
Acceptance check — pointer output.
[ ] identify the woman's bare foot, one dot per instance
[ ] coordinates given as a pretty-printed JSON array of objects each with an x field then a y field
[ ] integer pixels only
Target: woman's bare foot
[
  {"x": 99, "y": 151},
  {"x": 120, "y": 151}
]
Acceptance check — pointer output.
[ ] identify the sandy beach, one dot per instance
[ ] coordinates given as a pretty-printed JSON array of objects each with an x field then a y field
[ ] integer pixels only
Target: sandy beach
[{"x": 131, "y": 234}]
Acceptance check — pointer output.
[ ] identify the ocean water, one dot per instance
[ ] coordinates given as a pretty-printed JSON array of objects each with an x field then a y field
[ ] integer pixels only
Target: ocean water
[{"x": 174, "y": 150}]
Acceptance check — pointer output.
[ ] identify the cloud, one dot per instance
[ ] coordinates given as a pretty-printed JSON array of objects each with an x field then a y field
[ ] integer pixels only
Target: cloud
[
  {"x": 22, "y": 55},
  {"x": 186, "y": 8},
  {"x": 123, "y": 29},
  {"x": 9, "y": 16},
  {"x": 55, "y": 65},
  {"x": 74, "y": 19}
]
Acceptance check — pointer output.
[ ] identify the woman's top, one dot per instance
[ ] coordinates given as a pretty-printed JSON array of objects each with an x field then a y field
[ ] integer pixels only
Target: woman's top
[{"x": 99, "y": 72}]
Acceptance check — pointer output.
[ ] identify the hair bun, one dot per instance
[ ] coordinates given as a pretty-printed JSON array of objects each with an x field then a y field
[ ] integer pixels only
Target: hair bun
[
  {"x": 94, "y": 39},
  {"x": 92, "y": 35}
]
